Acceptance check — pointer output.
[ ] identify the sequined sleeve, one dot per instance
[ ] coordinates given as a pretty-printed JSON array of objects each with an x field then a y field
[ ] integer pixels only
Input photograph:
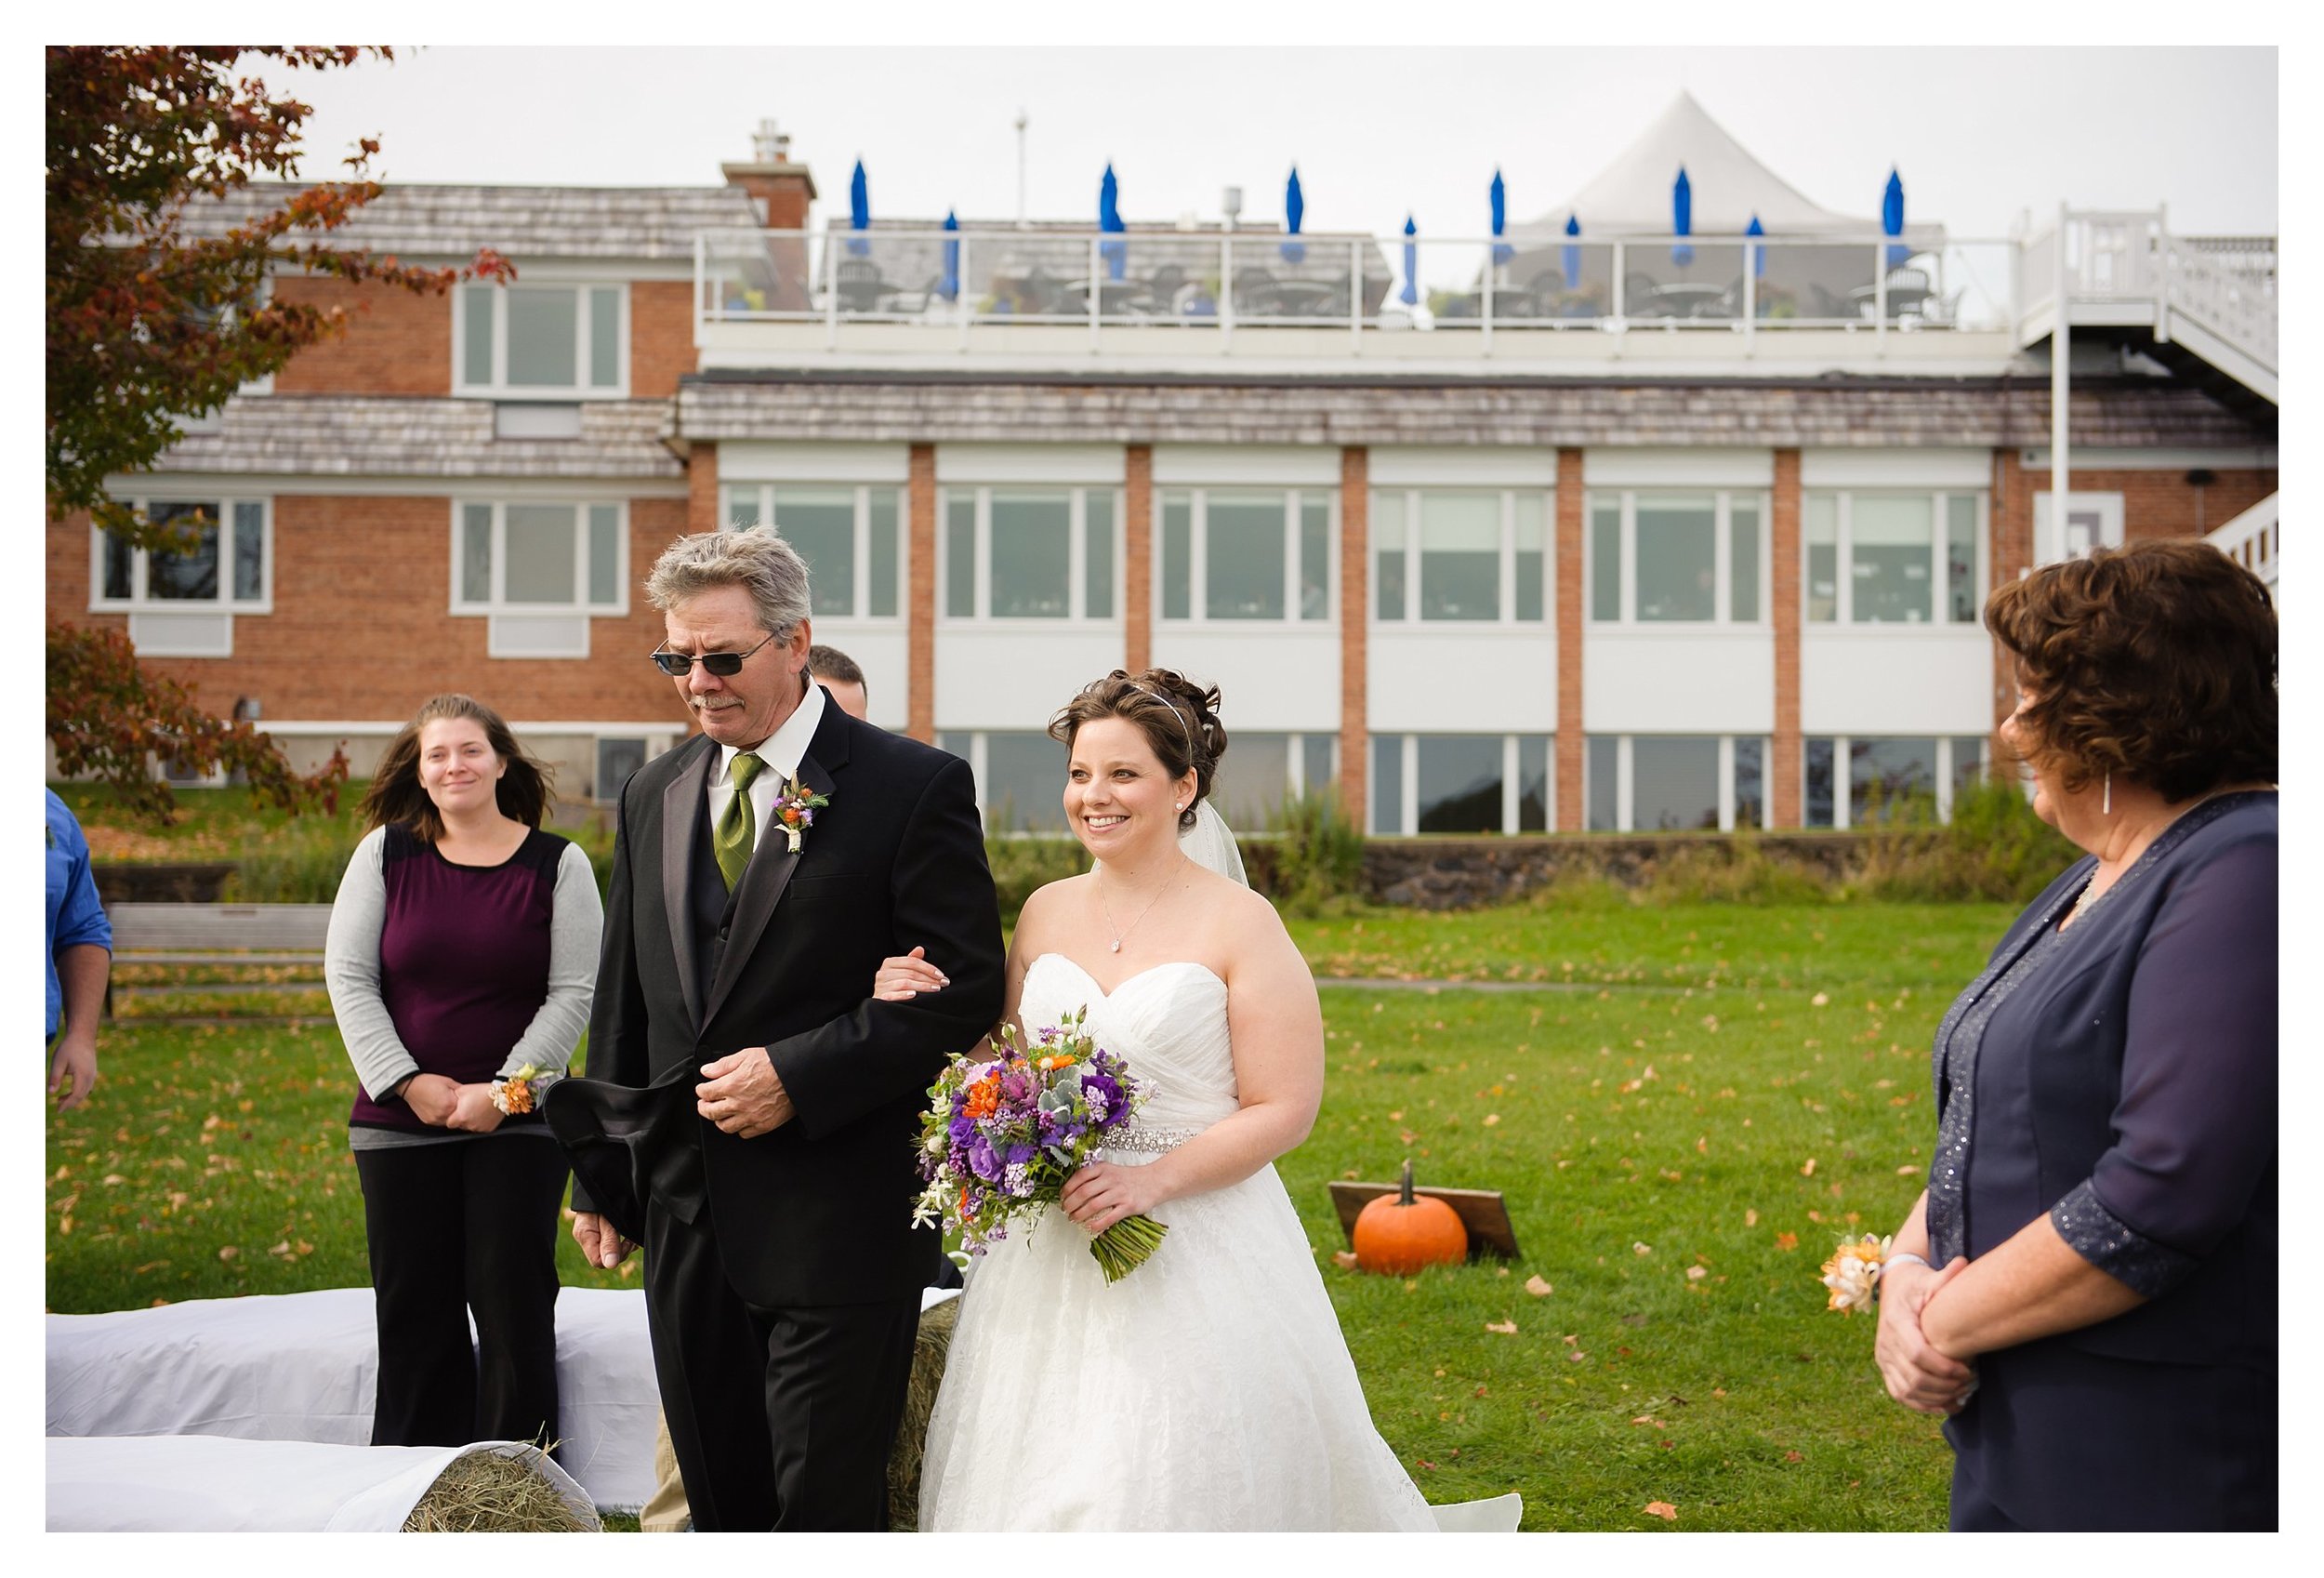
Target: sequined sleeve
[{"x": 2116, "y": 1247}]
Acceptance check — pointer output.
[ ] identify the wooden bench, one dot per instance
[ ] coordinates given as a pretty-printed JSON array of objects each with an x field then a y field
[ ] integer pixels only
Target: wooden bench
[{"x": 216, "y": 933}]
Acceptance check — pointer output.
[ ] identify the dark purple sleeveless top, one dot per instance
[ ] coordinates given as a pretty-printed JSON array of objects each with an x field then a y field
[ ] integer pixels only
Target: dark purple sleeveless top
[{"x": 463, "y": 961}]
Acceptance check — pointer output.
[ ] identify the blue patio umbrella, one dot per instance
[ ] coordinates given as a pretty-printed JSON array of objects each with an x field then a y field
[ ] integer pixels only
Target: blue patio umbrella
[
  {"x": 858, "y": 210},
  {"x": 1759, "y": 254},
  {"x": 1682, "y": 217},
  {"x": 1294, "y": 210},
  {"x": 950, "y": 288},
  {"x": 1892, "y": 217},
  {"x": 1501, "y": 221},
  {"x": 1571, "y": 254},
  {"x": 1117, "y": 254},
  {"x": 1410, "y": 294}
]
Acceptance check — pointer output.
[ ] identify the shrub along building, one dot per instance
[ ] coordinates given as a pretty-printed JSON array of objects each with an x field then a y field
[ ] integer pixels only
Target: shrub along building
[{"x": 1631, "y": 522}]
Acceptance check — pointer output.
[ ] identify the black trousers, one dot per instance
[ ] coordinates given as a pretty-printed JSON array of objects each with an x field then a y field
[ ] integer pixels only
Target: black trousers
[
  {"x": 781, "y": 1419},
  {"x": 467, "y": 1225}
]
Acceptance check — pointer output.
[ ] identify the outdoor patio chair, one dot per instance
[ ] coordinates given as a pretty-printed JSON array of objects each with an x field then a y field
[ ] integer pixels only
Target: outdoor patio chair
[{"x": 861, "y": 285}]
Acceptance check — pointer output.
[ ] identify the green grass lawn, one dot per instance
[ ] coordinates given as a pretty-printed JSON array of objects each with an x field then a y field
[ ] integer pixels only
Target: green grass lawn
[{"x": 1677, "y": 1163}]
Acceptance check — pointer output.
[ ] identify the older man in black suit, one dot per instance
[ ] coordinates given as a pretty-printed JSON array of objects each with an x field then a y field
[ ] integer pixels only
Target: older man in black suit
[{"x": 773, "y": 1107}]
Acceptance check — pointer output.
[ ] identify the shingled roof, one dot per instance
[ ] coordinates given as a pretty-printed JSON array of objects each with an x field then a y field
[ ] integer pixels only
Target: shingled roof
[
  {"x": 1969, "y": 413},
  {"x": 416, "y": 220},
  {"x": 358, "y": 436}
]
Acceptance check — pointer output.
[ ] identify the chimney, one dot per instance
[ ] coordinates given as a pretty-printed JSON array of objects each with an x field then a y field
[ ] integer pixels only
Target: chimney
[{"x": 781, "y": 189}]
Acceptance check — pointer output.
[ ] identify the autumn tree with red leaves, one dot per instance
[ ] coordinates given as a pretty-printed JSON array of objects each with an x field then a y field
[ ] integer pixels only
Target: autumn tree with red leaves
[{"x": 149, "y": 323}]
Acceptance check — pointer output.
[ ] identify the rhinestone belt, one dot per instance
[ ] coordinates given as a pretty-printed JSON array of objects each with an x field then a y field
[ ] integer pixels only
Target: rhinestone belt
[{"x": 1139, "y": 1137}]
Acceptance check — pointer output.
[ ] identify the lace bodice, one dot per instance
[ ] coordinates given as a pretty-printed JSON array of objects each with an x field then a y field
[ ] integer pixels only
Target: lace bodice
[{"x": 1167, "y": 1022}]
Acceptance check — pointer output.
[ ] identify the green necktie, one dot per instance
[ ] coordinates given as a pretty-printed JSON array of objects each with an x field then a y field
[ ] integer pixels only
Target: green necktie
[{"x": 733, "y": 839}]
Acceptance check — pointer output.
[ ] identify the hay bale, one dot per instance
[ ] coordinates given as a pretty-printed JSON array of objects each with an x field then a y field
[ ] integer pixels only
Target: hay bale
[
  {"x": 490, "y": 1492},
  {"x": 919, "y": 1400}
]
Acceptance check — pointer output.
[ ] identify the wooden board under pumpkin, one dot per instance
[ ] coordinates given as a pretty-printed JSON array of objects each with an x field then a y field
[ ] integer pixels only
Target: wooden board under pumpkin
[{"x": 1482, "y": 1211}]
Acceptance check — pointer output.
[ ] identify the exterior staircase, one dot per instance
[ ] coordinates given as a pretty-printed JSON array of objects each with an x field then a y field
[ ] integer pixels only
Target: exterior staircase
[{"x": 2254, "y": 540}]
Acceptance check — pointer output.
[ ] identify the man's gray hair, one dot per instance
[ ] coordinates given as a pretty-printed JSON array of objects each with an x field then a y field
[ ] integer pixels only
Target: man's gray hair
[{"x": 756, "y": 559}]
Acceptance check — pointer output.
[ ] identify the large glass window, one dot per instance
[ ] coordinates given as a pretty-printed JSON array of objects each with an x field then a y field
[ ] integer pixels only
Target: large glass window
[
  {"x": 1465, "y": 555},
  {"x": 1252, "y": 554},
  {"x": 1889, "y": 558},
  {"x": 1691, "y": 557},
  {"x": 542, "y": 342},
  {"x": 1893, "y": 558},
  {"x": 1030, "y": 553},
  {"x": 222, "y": 565},
  {"x": 1253, "y": 780},
  {"x": 1388, "y": 783},
  {"x": 1750, "y": 783},
  {"x": 1678, "y": 558},
  {"x": 1460, "y": 783},
  {"x": 1605, "y": 805},
  {"x": 1023, "y": 783},
  {"x": 1819, "y": 776},
  {"x": 1533, "y": 783},
  {"x": 1968, "y": 760},
  {"x": 846, "y": 532},
  {"x": 1819, "y": 532},
  {"x": 1884, "y": 774},
  {"x": 1675, "y": 784},
  {"x": 534, "y": 557},
  {"x": 1460, "y": 556}
]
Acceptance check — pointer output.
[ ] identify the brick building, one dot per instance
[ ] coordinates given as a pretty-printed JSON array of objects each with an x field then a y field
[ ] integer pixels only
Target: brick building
[{"x": 1619, "y": 528}]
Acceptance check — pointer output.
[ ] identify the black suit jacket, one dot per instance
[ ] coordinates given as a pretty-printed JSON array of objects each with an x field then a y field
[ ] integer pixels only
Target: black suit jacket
[{"x": 818, "y": 1212}]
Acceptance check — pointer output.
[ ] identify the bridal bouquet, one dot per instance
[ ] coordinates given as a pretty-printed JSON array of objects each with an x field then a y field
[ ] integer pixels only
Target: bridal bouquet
[{"x": 1001, "y": 1137}]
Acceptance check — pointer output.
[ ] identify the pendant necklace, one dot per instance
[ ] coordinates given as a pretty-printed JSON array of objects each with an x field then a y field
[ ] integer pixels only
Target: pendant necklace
[{"x": 1120, "y": 936}]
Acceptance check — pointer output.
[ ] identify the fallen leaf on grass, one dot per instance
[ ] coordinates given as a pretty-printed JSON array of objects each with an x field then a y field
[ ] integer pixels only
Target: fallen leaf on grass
[
  {"x": 1537, "y": 1288},
  {"x": 1663, "y": 1510},
  {"x": 1808, "y": 1171},
  {"x": 1506, "y": 1328},
  {"x": 1491, "y": 1119},
  {"x": 1344, "y": 1259},
  {"x": 1577, "y": 1356},
  {"x": 1786, "y": 1241},
  {"x": 1642, "y": 1249},
  {"x": 1792, "y": 1457},
  {"x": 1907, "y": 1170},
  {"x": 1751, "y": 1218},
  {"x": 228, "y": 1251},
  {"x": 1820, "y": 1000},
  {"x": 1696, "y": 1273}
]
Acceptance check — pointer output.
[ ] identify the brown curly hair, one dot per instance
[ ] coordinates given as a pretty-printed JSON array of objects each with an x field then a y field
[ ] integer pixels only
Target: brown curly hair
[
  {"x": 1179, "y": 717},
  {"x": 2155, "y": 662},
  {"x": 397, "y": 795}
]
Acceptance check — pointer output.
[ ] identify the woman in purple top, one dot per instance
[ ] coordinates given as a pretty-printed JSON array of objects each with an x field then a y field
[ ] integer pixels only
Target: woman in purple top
[
  {"x": 2087, "y": 1290},
  {"x": 462, "y": 951}
]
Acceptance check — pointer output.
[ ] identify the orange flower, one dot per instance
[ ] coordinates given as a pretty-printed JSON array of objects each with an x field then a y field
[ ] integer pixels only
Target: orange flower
[
  {"x": 520, "y": 1093},
  {"x": 984, "y": 1099}
]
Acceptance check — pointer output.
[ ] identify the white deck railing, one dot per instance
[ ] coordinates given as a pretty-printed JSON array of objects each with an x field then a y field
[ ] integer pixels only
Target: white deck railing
[
  {"x": 2215, "y": 294},
  {"x": 2253, "y": 539}
]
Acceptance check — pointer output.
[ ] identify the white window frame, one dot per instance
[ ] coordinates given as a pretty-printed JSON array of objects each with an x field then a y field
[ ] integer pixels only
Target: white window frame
[
  {"x": 1508, "y": 620},
  {"x": 1078, "y": 615},
  {"x": 507, "y": 617},
  {"x": 762, "y": 494},
  {"x": 1625, "y": 778},
  {"x": 499, "y": 387},
  {"x": 138, "y": 600},
  {"x": 1722, "y": 559},
  {"x": 1941, "y": 591},
  {"x": 1513, "y": 787},
  {"x": 1198, "y": 557},
  {"x": 1841, "y": 795}
]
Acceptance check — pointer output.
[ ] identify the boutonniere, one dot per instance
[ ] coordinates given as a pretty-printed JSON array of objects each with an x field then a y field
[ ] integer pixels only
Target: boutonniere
[{"x": 795, "y": 808}]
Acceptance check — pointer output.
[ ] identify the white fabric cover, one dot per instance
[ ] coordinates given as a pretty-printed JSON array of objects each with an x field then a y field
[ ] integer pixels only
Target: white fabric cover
[
  {"x": 301, "y": 1367},
  {"x": 217, "y": 1484},
  {"x": 1495, "y": 1515}
]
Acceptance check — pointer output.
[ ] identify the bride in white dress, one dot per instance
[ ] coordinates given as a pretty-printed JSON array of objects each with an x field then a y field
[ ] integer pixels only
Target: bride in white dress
[{"x": 1211, "y": 1388}]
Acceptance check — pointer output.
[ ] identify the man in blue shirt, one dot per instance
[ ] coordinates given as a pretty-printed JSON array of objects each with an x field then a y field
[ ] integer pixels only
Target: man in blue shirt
[{"x": 80, "y": 957}]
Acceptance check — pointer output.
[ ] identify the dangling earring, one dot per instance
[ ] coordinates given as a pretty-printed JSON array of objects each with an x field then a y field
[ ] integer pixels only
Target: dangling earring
[{"x": 2105, "y": 801}]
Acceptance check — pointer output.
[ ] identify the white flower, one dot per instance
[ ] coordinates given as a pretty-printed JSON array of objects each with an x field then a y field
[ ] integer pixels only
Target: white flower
[
  {"x": 1851, "y": 1281},
  {"x": 1017, "y": 1179}
]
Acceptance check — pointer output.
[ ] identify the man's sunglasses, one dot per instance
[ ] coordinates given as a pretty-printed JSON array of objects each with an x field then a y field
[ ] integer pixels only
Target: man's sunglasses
[{"x": 725, "y": 665}]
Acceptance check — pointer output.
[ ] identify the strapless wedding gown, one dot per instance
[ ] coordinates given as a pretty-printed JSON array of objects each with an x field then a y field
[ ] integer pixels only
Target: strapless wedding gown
[{"x": 1211, "y": 1388}]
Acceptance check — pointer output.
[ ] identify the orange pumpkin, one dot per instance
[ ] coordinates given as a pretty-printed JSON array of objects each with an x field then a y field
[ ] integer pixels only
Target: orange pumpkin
[{"x": 1398, "y": 1234}]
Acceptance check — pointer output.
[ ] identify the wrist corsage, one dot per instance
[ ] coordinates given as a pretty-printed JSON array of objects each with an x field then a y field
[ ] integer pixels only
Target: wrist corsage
[
  {"x": 521, "y": 1092},
  {"x": 1854, "y": 1273},
  {"x": 795, "y": 808}
]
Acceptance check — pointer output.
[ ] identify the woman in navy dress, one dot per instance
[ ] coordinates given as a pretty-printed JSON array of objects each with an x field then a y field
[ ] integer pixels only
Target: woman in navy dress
[
  {"x": 2094, "y": 1301},
  {"x": 462, "y": 948}
]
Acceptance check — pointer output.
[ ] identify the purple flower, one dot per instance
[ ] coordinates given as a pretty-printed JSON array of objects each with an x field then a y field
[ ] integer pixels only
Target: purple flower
[
  {"x": 960, "y": 1129},
  {"x": 1105, "y": 1096},
  {"x": 981, "y": 1161},
  {"x": 1020, "y": 1153}
]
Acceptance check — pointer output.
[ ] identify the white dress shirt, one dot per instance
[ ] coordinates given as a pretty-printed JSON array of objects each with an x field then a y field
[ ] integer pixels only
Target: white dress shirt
[{"x": 780, "y": 752}]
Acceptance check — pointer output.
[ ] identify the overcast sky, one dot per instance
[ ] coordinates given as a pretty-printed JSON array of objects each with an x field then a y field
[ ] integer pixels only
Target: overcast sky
[{"x": 1978, "y": 133}]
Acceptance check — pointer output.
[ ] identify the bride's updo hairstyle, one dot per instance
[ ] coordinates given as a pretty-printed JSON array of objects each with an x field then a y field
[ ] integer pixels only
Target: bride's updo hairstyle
[{"x": 1179, "y": 717}]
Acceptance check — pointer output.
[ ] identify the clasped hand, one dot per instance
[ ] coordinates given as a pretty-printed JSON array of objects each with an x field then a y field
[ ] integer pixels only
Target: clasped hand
[
  {"x": 1918, "y": 1375},
  {"x": 742, "y": 1095},
  {"x": 1102, "y": 1193}
]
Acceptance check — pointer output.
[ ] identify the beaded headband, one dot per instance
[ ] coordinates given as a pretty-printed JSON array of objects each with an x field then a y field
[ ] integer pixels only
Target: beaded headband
[{"x": 1184, "y": 727}]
